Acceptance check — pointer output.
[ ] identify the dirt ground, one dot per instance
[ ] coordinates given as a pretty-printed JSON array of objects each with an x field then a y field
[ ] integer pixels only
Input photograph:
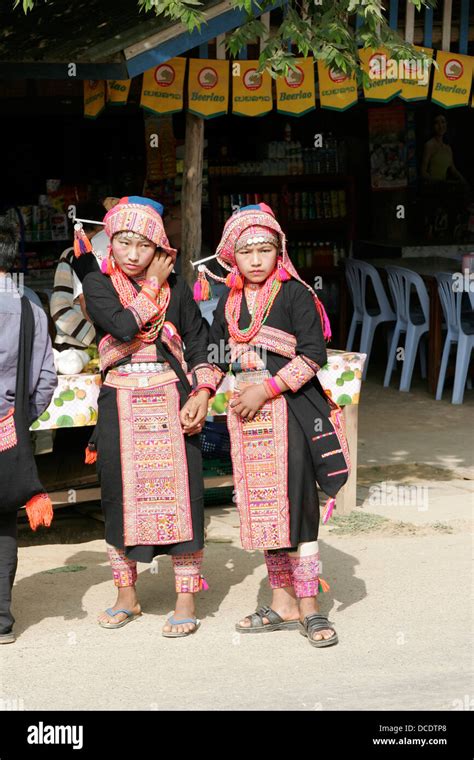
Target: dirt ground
[{"x": 399, "y": 568}]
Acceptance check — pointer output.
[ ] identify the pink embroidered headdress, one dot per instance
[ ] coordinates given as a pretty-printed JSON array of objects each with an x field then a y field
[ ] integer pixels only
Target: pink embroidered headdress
[{"x": 245, "y": 225}]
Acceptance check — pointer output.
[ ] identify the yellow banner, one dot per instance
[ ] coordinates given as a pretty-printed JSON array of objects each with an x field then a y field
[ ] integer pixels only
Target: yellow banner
[
  {"x": 415, "y": 76},
  {"x": 94, "y": 97},
  {"x": 208, "y": 87},
  {"x": 384, "y": 83},
  {"x": 452, "y": 80},
  {"x": 337, "y": 90},
  {"x": 251, "y": 90},
  {"x": 162, "y": 88},
  {"x": 296, "y": 92},
  {"x": 117, "y": 91}
]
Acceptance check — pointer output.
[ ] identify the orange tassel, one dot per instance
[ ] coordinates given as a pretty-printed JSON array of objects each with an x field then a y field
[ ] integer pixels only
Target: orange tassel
[
  {"x": 91, "y": 456},
  {"x": 81, "y": 244},
  {"x": 40, "y": 511},
  {"x": 323, "y": 586},
  {"x": 234, "y": 279}
]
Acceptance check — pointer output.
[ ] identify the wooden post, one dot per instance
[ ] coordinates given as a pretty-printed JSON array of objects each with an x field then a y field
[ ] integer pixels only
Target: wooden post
[
  {"x": 191, "y": 196},
  {"x": 347, "y": 496}
]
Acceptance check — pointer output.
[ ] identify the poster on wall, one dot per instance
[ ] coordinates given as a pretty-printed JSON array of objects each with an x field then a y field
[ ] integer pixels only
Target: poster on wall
[{"x": 388, "y": 147}]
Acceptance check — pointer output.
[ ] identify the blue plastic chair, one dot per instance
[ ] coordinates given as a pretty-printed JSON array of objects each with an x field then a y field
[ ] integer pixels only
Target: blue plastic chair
[
  {"x": 412, "y": 319},
  {"x": 451, "y": 302},
  {"x": 357, "y": 274}
]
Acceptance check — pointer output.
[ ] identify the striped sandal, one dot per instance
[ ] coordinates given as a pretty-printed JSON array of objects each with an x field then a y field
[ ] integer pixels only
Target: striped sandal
[
  {"x": 317, "y": 622},
  {"x": 275, "y": 622}
]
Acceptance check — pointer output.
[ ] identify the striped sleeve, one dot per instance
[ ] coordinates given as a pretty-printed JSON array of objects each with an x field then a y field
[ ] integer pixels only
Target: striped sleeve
[{"x": 67, "y": 315}]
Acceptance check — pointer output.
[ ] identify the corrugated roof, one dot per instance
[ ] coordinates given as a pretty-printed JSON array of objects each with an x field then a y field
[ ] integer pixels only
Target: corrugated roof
[{"x": 77, "y": 31}]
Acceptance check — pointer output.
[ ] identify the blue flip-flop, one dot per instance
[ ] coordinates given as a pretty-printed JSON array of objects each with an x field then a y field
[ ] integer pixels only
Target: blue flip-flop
[
  {"x": 174, "y": 621},
  {"x": 130, "y": 616}
]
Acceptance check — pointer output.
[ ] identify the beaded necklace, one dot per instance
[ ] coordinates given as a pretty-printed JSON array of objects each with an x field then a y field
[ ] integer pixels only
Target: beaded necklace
[
  {"x": 127, "y": 293},
  {"x": 260, "y": 311},
  {"x": 251, "y": 293}
]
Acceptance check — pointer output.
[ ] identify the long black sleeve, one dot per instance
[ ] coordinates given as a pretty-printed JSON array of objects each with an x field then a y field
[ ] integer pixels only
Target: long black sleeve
[{"x": 104, "y": 307}]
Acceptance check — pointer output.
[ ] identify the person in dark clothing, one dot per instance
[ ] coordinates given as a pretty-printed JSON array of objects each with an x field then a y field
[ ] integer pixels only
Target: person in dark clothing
[{"x": 42, "y": 382}]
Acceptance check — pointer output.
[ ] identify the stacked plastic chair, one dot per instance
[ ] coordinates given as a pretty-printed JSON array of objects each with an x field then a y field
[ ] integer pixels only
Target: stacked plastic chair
[
  {"x": 412, "y": 319},
  {"x": 460, "y": 330},
  {"x": 358, "y": 274}
]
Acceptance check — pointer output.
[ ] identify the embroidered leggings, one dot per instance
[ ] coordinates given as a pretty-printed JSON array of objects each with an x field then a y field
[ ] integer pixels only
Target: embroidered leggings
[
  {"x": 299, "y": 568},
  {"x": 187, "y": 570}
]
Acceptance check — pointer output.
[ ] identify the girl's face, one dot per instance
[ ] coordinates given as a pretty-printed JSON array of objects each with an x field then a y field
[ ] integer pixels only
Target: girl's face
[
  {"x": 257, "y": 262},
  {"x": 133, "y": 254}
]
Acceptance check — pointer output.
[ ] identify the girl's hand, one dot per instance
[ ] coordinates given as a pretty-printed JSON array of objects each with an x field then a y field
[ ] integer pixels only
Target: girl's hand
[
  {"x": 194, "y": 412},
  {"x": 159, "y": 269},
  {"x": 248, "y": 401}
]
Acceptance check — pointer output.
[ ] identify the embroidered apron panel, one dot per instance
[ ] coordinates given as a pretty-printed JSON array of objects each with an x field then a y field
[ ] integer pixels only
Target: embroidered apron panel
[
  {"x": 156, "y": 500},
  {"x": 8, "y": 437},
  {"x": 259, "y": 450}
]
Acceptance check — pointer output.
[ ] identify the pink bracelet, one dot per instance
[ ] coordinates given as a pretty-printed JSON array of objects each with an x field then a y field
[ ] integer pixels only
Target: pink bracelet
[
  {"x": 272, "y": 387},
  {"x": 202, "y": 386}
]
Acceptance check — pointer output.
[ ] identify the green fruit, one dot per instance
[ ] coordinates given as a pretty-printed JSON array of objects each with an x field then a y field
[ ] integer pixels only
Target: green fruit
[
  {"x": 339, "y": 381},
  {"x": 65, "y": 421},
  {"x": 220, "y": 403},
  {"x": 45, "y": 417},
  {"x": 348, "y": 375},
  {"x": 35, "y": 425},
  {"x": 344, "y": 399},
  {"x": 58, "y": 402},
  {"x": 67, "y": 395}
]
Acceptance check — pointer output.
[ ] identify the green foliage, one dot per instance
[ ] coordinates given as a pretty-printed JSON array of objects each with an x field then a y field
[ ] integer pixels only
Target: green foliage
[
  {"x": 185, "y": 11},
  {"x": 321, "y": 28}
]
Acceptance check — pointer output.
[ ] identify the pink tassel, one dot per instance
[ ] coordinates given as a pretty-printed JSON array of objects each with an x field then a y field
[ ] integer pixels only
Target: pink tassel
[
  {"x": 197, "y": 291},
  {"x": 282, "y": 275},
  {"x": 103, "y": 266},
  {"x": 326, "y": 325},
  {"x": 204, "y": 584},
  {"x": 234, "y": 279},
  {"x": 328, "y": 509}
]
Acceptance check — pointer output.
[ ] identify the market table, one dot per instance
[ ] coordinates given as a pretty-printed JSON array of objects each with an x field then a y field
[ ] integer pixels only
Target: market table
[
  {"x": 427, "y": 268},
  {"x": 74, "y": 404}
]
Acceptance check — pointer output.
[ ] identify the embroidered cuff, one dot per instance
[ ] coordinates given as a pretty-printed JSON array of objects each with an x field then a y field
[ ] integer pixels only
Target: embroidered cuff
[
  {"x": 143, "y": 308},
  {"x": 298, "y": 372},
  {"x": 203, "y": 376}
]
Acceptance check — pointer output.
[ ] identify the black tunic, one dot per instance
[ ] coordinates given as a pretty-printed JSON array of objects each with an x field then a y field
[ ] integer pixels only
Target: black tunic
[
  {"x": 294, "y": 312},
  {"x": 109, "y": 316}
]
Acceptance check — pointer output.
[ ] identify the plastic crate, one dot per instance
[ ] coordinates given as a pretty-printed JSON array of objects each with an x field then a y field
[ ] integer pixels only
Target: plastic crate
[{"x": 215, "y": 441}]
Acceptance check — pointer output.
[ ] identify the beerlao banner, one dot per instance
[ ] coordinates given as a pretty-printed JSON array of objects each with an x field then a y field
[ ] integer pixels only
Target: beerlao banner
[
  {"x": 337, "y": 91},
  {"x": 94, "y": 97},
  {"x": 162, "y": 87},
  {"x": 117, "y": 91},
  {"x": 415, "y": 76},
  {"x": 452, "y": 80},
  {"x": 296, "y": 93},
  {"x": 384, "y": 83},
  {"x": 251, "y": 89},
  {"x": 208, "y": 87}
]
